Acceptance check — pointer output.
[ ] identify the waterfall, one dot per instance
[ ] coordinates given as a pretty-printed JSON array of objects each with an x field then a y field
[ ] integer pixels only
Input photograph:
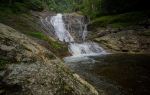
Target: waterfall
[
  {"x": 84, "y": 32},
  {"x": 83, "y": 48},
  {"x": 60, "y": 30}
]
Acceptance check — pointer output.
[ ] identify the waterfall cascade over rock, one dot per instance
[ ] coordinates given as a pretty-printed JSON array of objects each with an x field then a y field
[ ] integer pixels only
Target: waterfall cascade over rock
[
  {"x": 63, "y": 32},
  {"x": 60, "y": 31}
]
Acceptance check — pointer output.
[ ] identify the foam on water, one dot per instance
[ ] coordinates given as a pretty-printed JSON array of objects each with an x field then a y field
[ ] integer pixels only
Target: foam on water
[
  {"x": 76, "y": 49},
  {"x": 60, "y": 30}
]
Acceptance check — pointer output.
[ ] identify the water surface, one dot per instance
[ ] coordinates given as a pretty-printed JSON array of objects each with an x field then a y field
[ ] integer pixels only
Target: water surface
[{"x": 116, "y": 74}]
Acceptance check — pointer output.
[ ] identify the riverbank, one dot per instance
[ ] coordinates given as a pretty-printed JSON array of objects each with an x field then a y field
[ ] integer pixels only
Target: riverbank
[
  {"x": 115, "y": 74},
  {"x": 126, "y": 33}
]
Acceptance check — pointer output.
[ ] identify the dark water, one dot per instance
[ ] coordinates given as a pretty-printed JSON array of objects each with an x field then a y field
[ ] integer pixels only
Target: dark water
[{"x": 115, "y": 74}]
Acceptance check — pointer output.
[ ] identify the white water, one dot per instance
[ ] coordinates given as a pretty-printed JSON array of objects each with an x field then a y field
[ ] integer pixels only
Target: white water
[
  {"x": 76, "y": 49},
  {"x": 86, "y": 48},
  {"x": 60, "y": 30},
  {"x": 84, "y": 33}
]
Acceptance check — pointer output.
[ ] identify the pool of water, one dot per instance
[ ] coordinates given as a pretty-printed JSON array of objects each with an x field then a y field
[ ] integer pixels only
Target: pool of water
[{"x": 115, "y": 74}]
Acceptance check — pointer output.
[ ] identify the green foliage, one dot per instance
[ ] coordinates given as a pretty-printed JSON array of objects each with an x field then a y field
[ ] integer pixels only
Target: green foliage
[
  {"x": 96, "y": 8},
  {"x": 22, "y": 5},
  {"x": 121, "y": 6},
  {"x": 62, "y": 5},
  {"x": 57, "y": 47},
  {"x": 146, "y": 33},
  {"x": 37, "y": 34},
  {"x": 122, "y": 20},
  {"x": 18, "y": 7},
  {"x": 39, "y": 5},
  {"x": 27, "y": 24},
  {"x": 36, "y": 5},
  {"x": 93, "y": 8},
  {"x": 40, "y": 35}
]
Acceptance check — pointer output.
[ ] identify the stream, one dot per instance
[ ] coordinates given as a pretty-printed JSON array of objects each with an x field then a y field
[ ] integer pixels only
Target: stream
[{"x": 114, "y": 74}]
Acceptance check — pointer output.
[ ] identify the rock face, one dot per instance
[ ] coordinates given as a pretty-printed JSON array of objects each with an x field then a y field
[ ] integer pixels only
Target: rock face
[
  {"x": 119, "y": 40},
  {"x": 33, "y": 70},
  {"x": 76, "y": 25}
]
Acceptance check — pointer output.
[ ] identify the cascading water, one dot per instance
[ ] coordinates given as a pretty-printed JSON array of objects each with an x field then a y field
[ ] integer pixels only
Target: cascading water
[
  {"x": 85, "y": 48},
  {"x": 84, "y": 32},
  {"x": 60, "y": 30},
  {"x": 76, "y": 49}
]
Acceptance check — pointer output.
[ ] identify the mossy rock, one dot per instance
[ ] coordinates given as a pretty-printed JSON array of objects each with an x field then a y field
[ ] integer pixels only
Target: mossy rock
[
  {"x": 146, "y": 33},
  {"x": 3, "y": 63},
  {"x": 122, "y": 20}
]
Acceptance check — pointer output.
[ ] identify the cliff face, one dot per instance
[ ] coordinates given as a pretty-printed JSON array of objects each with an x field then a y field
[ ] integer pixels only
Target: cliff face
[
  {"x": 76, "y": 24},
  {"x": 27, "y": 68}
]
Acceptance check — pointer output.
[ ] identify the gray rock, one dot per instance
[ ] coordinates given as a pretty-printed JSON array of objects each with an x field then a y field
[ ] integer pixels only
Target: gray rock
[
  {"x": 31, "y": 69},
  {"x": 131, "y": 41}
]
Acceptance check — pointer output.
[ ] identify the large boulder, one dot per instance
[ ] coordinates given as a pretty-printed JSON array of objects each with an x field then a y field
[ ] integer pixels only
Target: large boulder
[
  {"x": 26, "y": 68},
  {"x": 121, "y": 40}
]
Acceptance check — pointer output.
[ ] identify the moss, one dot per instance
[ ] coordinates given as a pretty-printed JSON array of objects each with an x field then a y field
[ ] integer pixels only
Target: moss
[
  {"x": 23, "y": 22},
  {"x": 37, "y": 34},
  {"x": 59, "y": 49},
  {"x": 119, "y": 25},
  {"x": 146, "y": 33},
  {"x": 50, "y": 56},
  {"x": 27, "y": 24},
  {"x": 3, "y": 63},
  {"x": 122, "y": 20},
  {"x": 55, "y": 46}
]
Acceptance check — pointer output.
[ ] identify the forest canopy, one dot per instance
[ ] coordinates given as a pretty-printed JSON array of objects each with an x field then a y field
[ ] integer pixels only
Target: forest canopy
[{"x": 93, "y": 8}]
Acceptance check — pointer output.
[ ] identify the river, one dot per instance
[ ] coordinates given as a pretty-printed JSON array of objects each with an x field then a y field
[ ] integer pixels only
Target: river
[{"x": 114, "y": 74}]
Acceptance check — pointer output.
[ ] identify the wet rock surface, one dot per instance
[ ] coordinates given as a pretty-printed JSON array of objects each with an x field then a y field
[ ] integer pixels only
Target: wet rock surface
[
  {"x": 26, "y": 68},
  {"x": 76, "y": 25},
  {"x": 122, "y": 40}
]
